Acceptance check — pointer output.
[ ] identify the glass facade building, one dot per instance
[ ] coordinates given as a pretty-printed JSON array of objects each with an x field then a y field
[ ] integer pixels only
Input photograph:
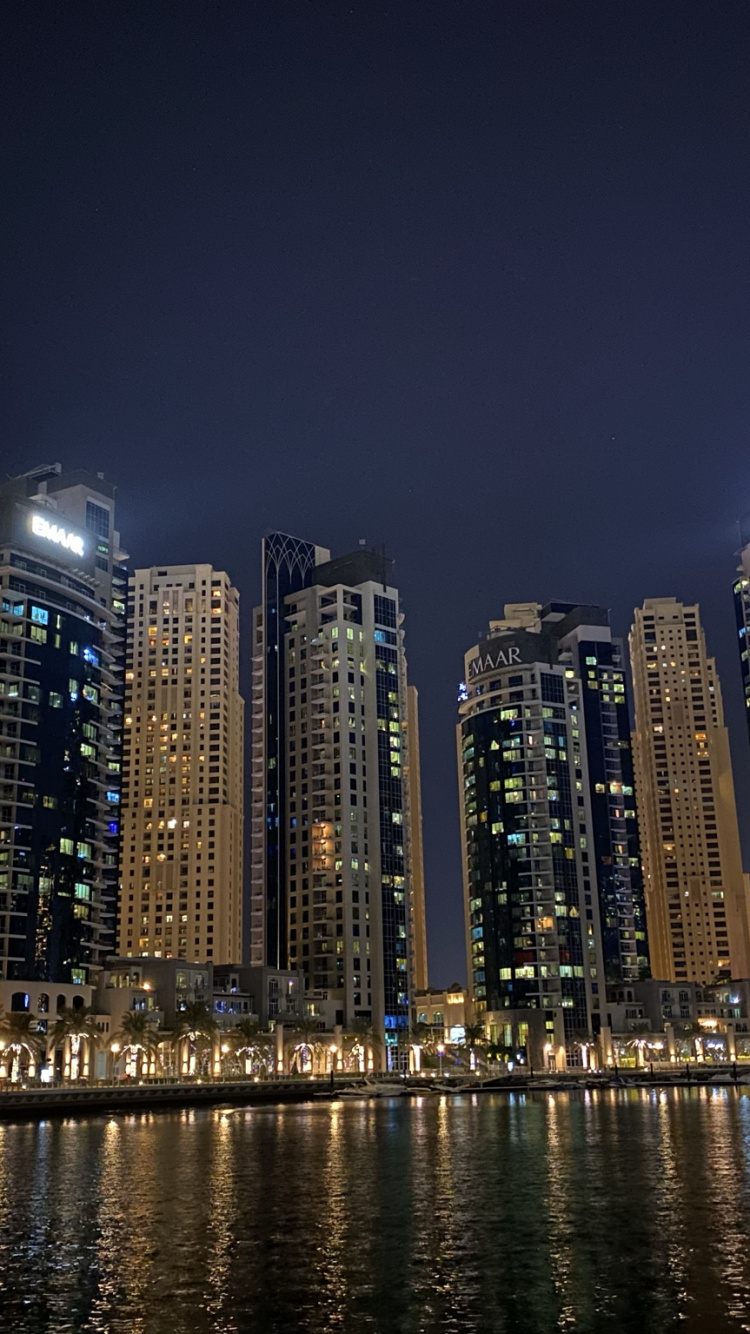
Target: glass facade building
[
  {"x": 585, "y": 640},
  {"x": 287, "y": 565},
  {"x": 63, "y": 587},
  {"x": 532, "y": 922}
]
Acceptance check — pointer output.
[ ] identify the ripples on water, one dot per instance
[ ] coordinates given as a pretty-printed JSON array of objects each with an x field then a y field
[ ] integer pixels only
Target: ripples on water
[{"x": 622, "y": 1211}]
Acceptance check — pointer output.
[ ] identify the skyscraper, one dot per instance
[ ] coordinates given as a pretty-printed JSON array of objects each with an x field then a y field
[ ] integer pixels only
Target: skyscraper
[
  {"x": 696, "y": 896},
  {"x": 416, "y": 854},
  {"x": 741, "y": 591},
  {"x": 336, "y": 897},
  {"x": 61, "y": 644},
  {"x": 532, "y": 922},
  {"x": 286, "y": 567},
  {"x": 182, "y": 797},
  {"x": 585, "y": 640}
]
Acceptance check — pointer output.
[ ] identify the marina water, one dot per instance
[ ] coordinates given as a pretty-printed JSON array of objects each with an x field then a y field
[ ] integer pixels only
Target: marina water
[{"x": 620, "y": 1210}]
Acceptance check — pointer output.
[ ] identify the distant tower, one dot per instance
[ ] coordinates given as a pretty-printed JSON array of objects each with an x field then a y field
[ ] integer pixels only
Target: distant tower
[
  {"x": 287, "y": 564},
  {"x": 696, "y": 897},
  {"x": 741, "y": 592},
  {"x": 413, "y": 774},
  {"x": 182, "y": 806}
]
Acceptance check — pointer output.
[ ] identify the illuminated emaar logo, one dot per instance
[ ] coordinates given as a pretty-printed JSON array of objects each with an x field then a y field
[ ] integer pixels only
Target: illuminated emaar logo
[
  {"x": 54, "y": 533},
  {"x": 499, "y": 657}
]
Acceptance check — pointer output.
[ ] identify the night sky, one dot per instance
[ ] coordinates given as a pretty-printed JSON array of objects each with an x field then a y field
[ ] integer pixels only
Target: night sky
[{"x": 467, "y": 278}]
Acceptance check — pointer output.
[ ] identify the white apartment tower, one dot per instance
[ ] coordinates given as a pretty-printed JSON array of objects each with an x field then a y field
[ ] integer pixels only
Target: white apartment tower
[
  {"x": 334, "y": 881},
  {"x": 697, "y": 904},
  {"x": 182, "y": 798}
]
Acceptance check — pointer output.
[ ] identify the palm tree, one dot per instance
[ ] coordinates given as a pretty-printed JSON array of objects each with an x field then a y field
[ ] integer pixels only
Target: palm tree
[
  {"x": 423, "y": 1035},
  {"x": 497, "y": 1051},
  {"x": 195, "y": 1030},
  {"x": 248, "y": 1040},
  {"x": 17, "y": 1037},
  {"x": 137, "y": 1037},
  {"x": 76, "y": 1029},
  {"x": 307, "y": 1030},
  {"x": 366, "y": 1036},
  {"x": 473, "y": 1037}
]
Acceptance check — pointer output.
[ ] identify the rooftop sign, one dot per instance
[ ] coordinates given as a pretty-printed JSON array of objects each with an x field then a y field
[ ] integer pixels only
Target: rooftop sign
[
  {"x": 54, "y": 532},
  {"x": 511, "y": 651}
]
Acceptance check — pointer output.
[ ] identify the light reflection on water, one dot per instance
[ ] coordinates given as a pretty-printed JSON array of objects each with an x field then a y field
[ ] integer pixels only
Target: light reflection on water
[{"x": 624, "y": 1211}]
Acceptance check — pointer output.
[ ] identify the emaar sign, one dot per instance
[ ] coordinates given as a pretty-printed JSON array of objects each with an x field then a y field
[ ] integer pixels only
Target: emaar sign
[
  {"x": 54, "y": 532},
  {"x": 511, "y": 651},
  {"x": 497, "y": 657}
]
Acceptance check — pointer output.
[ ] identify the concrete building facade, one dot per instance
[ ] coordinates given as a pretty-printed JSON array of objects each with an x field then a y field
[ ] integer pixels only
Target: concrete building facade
[
  {"x": 182, "y": 798},
  {"x": 337, "y": 862},
  {"x": 741, "y": 592},
  {"x": 697, "y": 902},
  {"x": 350, "y": 924}
]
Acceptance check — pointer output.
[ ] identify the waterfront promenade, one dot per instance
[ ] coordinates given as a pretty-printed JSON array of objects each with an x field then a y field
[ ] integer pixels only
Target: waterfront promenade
[{"x": 35, "y": 1101}]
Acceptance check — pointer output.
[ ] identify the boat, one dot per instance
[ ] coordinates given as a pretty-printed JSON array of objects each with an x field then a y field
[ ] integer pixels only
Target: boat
[
  {"x": 472, "y": 1084},
  {"x": 369, "y": 1088},
  {"x": 382, "y": 1089},
  {"x": 456, "y": 1086}
]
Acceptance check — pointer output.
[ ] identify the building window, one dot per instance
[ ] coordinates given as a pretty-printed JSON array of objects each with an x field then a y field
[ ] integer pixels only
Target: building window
[{"x": 97, "y": 519}]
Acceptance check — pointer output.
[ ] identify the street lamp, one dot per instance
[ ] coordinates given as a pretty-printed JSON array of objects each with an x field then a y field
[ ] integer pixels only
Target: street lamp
[{"x": 441, "y": 1053}]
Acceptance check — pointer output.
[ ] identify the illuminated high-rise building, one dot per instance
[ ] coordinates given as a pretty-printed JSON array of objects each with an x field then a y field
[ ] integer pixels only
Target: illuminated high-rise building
[
  {"x": 741, "y": 592},
  {"x": 585, "y": 642},
  {"x": 62, "y": 582},
  {"x": 287, "y": 564},
  {"x": 335, "y": 770},
  {"x": 697, "y": 903},
  {"x": 416, "y": 853},
  {"x": 533, "y": 931},
  {"x": 182, "y": 798}
]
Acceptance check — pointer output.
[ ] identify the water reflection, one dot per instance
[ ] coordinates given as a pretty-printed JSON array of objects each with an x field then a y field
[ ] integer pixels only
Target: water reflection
[{"x": 624, "y": 1211}]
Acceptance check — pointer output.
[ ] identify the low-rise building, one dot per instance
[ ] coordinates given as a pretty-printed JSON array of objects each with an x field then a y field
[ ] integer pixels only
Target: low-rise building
[
  {"x": 656, "y": 1020},
  {"x": 445, "y": 1012},
  {"x": 275, "y": 995},
  {"x": 174, "y": 983}
]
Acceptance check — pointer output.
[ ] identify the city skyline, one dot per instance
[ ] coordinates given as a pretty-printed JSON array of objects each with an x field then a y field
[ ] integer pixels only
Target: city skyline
[
  {"x": 455, "y": 971},
  {"x": 373, "y": 909},
  {"x": 408, "y": 284}
]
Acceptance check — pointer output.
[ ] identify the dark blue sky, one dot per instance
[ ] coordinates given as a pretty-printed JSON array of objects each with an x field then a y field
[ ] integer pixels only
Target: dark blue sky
[{"x": 468, "y": 278}]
